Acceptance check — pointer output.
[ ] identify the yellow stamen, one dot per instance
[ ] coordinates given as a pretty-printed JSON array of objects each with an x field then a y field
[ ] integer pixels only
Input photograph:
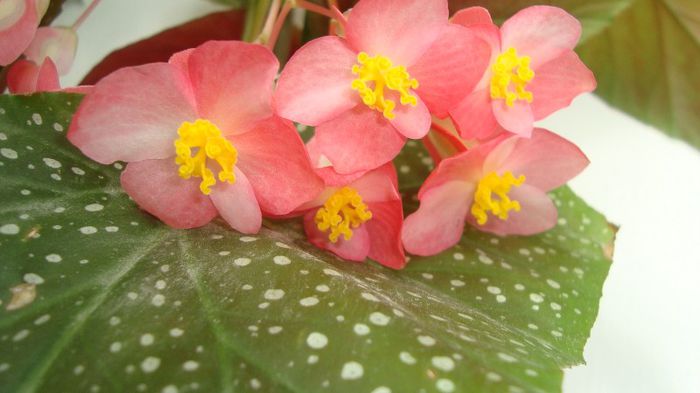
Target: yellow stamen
[
  {"x": 384, "y": 74},
  {"x": 206, "y": 138},
  {"x": 510, "y": 69},
  {"x": 342, "y": 211},
  {"x": 484, "y": 201}
]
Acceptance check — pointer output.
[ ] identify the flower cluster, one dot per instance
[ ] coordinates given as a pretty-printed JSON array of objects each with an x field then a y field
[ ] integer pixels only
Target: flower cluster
[{"x": 211, "y": 132}]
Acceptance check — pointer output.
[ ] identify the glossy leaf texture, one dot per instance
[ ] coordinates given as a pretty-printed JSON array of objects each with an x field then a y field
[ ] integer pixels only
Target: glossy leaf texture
[{"x": 98, "y": 296}]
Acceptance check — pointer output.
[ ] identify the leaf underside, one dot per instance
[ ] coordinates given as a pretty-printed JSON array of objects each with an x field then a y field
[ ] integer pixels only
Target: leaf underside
[{"x": 123, "y": 303}]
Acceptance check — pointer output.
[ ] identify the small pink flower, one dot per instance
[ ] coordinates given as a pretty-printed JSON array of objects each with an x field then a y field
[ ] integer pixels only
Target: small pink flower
[
  {"x": 57, "y": 43},
  {"x": 19, "y": 20},
  {"x": 366, "y": 93},
  {"x": 358, "y": 216},
  {"x": 499, "y": 187},
  {"x": 204, "y": 116},
  {"x": 26, "y": 77},
  {"x": 533, "y": 71}
]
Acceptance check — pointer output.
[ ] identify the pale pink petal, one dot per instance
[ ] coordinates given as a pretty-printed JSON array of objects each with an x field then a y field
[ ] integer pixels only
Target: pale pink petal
[
  {"x": 232, "y": 83},
  {"x": 18, "y": 25},
  {"x": 450, "y": 68},
  {"x": 474, "y": 117},
  {"x": 359, "y": 140},
  {"x": 517, "y": 119},
  {"x": 132, "y": 114},
  {"x": 237, "y": 204},
  {"x": 438, "y": 223},
  {"x": 412, "y": 121},
  {"x": 546, "y": 159},
  {"x": 541, "y": 32},
  {"x": 25, "y": 77},
  {"x": 378, "y": 185},
  {"x": 472, "y": 16},
  {"x": 57, "y": 43},
  {"x": 315, "y": 84},
  {"x": 331, "y": 178},
  {"x": 158, "y": 189},
  {"x": 463, "y": 167},
  {"x": 537, "y": 214},
  {"x": 384, "y": 230},
  {"x": 558, "y": 82},
  {"x": 355, "y": 249},
  {"x": 274, "y": 159},
  {"x": 398, "y": 29}
]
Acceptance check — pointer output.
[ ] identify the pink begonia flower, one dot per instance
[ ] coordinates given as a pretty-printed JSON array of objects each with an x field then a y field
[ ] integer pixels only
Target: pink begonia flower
[
  {"x": 366, "y": 93},
  {"x": 358, "y": 216},
  {"x": 19, "y": 20},
  {"x": 533, "y": 71},
  {"x": 499, "y": 187},
  {"x": 26, "y": 77},
  {"x": 57, "y": 43},
  {"x": 204, "y": 116}
]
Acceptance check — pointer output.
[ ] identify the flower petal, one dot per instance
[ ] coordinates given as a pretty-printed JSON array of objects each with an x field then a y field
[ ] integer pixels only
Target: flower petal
[
  {"x": 558, "y": 82},
  {"x": 438, "y": 223},
  {"x": 274, "y": 160},
  {"x": 398, "y": 29},
  {"x": 378, "y": 185},
  {"x": 412, "y": 121},
  {"x": 355, "y": 249},
  {"x": 537, "y": 214},
  {"x": 237, "y": 204},
  {"x": 57, "y": 43},
  {"x": 315, "y": 84},
  {"x": 132, "y": 114},
  {"x": 384, "y": 230},
  {"x": 450, "y": 68},
  {"x": 474, "y": 117},
  {"x": 232, "y": 83},
  {"x": 517, "y": 119},
  {"x": 17, "y": 29},
  {"x": 156, "y": 187},
  {"x": 463, "y": 167},
  {"x": 25, "y": 77},
  {"x": 541, "y": 32},
  {"x": 546, "y": 159},
  {"x": 472, "y": 16},
  {"x": 359, "y": 140}
]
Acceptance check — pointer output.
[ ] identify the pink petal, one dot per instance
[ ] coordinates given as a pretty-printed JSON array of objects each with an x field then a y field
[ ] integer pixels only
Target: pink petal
[
  {"x": 558, "y": 82},
  {"x": 472, "y": 16},
  {"x": 463, "y": 167},
  {"x": 359, "y": 140},
  {"x": 315, "y": 84},
  {"x": 275, "y": 161},
  {"x": 25, "y": 77},
  {"x": 451, "y": 68},
  {"x": 17, "y": 29},
  {"x": 537, "y": 214},
  {"x": 546, "y": 159},
  {"x": 401, "y": 30},
  {"x": 237, "y": 204},
  {"x": 517, "y": 119},
  {"x": 232, "y": 83},
  {"x": 57, "y": 43},
  {"x": 156, "y": 187},
  {"x": 355, "y": 249},
  {"x": 132, "y": 115},
  {"x": 438, "y": 223},
  {"x": 541, "y": 32},
  {"x": 384, "y": 230},
  {"x": 474, "y": 117},
  {"x": 412, "y": 121},
  {"x": 379, "y": 185}
]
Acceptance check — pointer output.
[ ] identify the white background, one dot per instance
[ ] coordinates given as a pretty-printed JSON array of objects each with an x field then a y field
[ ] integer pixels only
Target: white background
[{"x": 647, "y": 336}]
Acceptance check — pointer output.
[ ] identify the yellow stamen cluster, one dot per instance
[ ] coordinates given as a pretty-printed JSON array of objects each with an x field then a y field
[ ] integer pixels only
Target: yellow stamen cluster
[
  {"x": 379, "y": 70},
  {"x": 510, "y": 69},
  {"x": 484, "y": 201},
  {"x": 342, "y": 211},
  {"x": 206, "y": 138}
]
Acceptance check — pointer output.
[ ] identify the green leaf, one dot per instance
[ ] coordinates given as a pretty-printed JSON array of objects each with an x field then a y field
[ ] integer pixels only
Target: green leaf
[{"x": 98, "y": 296}]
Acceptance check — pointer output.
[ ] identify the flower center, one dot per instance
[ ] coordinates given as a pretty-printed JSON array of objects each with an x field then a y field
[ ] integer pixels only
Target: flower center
[
  {"x": 384, "y": 75},
  {"x": 484, "y": 196},
  {"x": 206, "y": 139},
  {"x": 511, "y": 74},
  {"x": 342, "y": 211}
]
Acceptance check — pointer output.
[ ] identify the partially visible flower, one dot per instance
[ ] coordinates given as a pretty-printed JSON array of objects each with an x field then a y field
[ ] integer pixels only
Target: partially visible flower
[
  {"x": 533, "y": 71},
  {"x": 366, "y": 93},
  {"x": 199, "y": 137},
  {"x": 26, "y": 77},
  {"x": 358, "y": 216},
  {"x": 57, "y": 43},
  {"x": 499, "y": 187},
  {"x": 19, "y": 20}
]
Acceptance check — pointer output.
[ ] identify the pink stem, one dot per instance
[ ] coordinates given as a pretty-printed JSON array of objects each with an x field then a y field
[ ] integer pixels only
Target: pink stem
[
  {"x": 85, "y": 15},
  {"x": 315, "y": 8},
  {"x": 279, "y": 22}
]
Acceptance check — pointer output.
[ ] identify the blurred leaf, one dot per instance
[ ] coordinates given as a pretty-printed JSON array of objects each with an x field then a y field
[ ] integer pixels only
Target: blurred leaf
[{"x": 98, "y": 296}]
